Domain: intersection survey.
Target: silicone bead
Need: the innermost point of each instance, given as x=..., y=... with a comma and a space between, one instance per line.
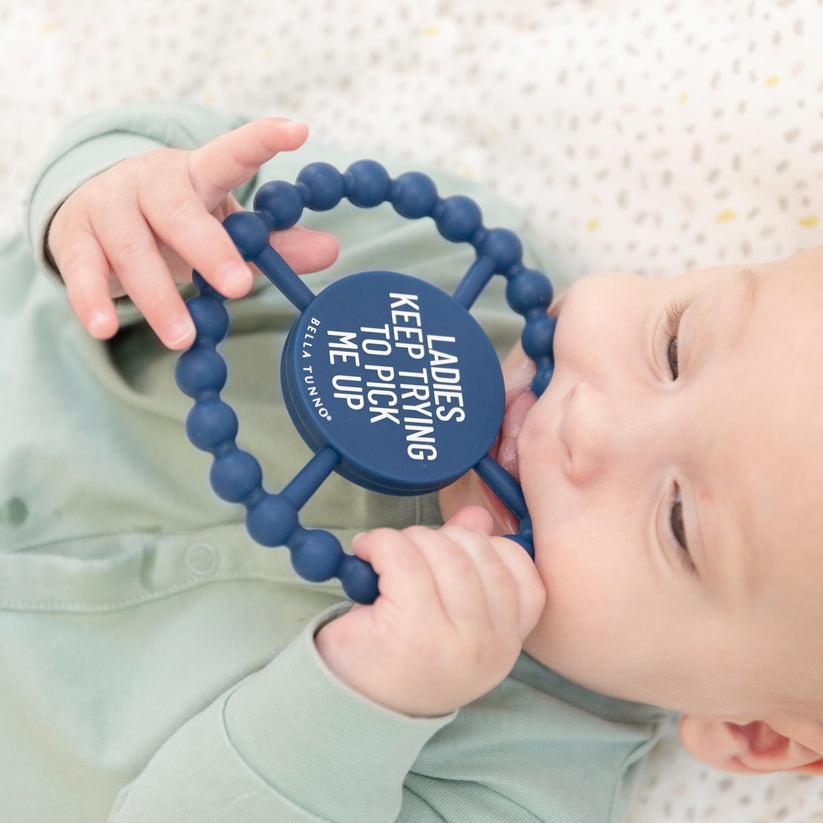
x=322, y=186
x=210, y=423
x=358, y=579
x=200, y=369
x=542, y=377
x=235, y=475
x=458, y=218
x=271, y=520
x=279, y=203
x=527, y=290
x=538, y=335
x=210, y=317
x=316, y=555
x=249, y=233
x=367, y=183
x=503, y=247
x=414, y=195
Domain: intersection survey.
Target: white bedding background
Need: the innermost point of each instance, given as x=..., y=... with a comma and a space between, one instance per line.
x=652, y=136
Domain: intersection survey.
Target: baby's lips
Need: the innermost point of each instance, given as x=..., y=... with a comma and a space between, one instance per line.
x=511, y=396
x=518, y=404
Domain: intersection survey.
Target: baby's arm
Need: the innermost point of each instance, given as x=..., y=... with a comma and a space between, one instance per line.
x=455, y=606
x=293, y=744
x=141, y=226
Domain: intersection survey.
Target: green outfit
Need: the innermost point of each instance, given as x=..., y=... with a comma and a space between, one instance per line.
x=159, y=666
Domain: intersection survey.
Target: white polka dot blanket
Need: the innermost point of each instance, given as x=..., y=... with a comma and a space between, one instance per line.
x=652, y=137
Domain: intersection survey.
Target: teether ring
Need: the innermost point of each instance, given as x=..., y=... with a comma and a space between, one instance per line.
x=389, y=380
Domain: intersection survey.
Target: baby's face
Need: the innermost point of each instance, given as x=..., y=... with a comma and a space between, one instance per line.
x=673, y=470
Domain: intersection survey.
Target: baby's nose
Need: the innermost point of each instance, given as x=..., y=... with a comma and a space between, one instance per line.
x=598, y=431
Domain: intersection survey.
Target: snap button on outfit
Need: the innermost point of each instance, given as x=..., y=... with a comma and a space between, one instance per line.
x=201, y=558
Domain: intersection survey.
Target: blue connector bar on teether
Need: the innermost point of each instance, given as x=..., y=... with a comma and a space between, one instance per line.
x=390, y=380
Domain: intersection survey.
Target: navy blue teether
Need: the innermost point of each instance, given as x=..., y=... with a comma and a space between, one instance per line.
x=390, y=380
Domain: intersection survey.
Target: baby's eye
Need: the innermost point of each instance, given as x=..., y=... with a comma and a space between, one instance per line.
x=672, y=355
x=676, y=518
x=679, y=531
x=673, y=315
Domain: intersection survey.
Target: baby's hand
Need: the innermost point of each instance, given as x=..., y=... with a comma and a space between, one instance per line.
x=141, y=226
x=454, y=608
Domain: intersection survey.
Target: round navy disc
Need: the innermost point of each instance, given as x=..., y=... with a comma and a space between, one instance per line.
x=396, y=377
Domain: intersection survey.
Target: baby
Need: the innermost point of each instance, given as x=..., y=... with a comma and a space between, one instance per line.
x=671, y=470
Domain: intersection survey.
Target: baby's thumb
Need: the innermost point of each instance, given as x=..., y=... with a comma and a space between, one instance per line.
x=475, y=518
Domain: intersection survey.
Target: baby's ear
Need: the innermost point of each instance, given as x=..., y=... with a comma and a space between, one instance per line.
x=755, y=748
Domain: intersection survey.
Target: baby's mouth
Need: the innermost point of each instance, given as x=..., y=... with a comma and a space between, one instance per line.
x=504, y=450
x=519, y=402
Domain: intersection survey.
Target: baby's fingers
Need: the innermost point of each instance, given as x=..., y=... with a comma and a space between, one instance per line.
x=132, y=252
x=530, y=591
x=513, y=590
x=85, y=272
x=233, y=158
x=404, y=573
x=304, y=249
x=179, y=219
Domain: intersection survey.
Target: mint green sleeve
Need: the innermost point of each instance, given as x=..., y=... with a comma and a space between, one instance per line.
x=291, y=744
x=104, y=138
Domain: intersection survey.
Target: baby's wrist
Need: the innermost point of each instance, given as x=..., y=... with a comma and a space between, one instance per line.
x=368, y=674
x=341, y=664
